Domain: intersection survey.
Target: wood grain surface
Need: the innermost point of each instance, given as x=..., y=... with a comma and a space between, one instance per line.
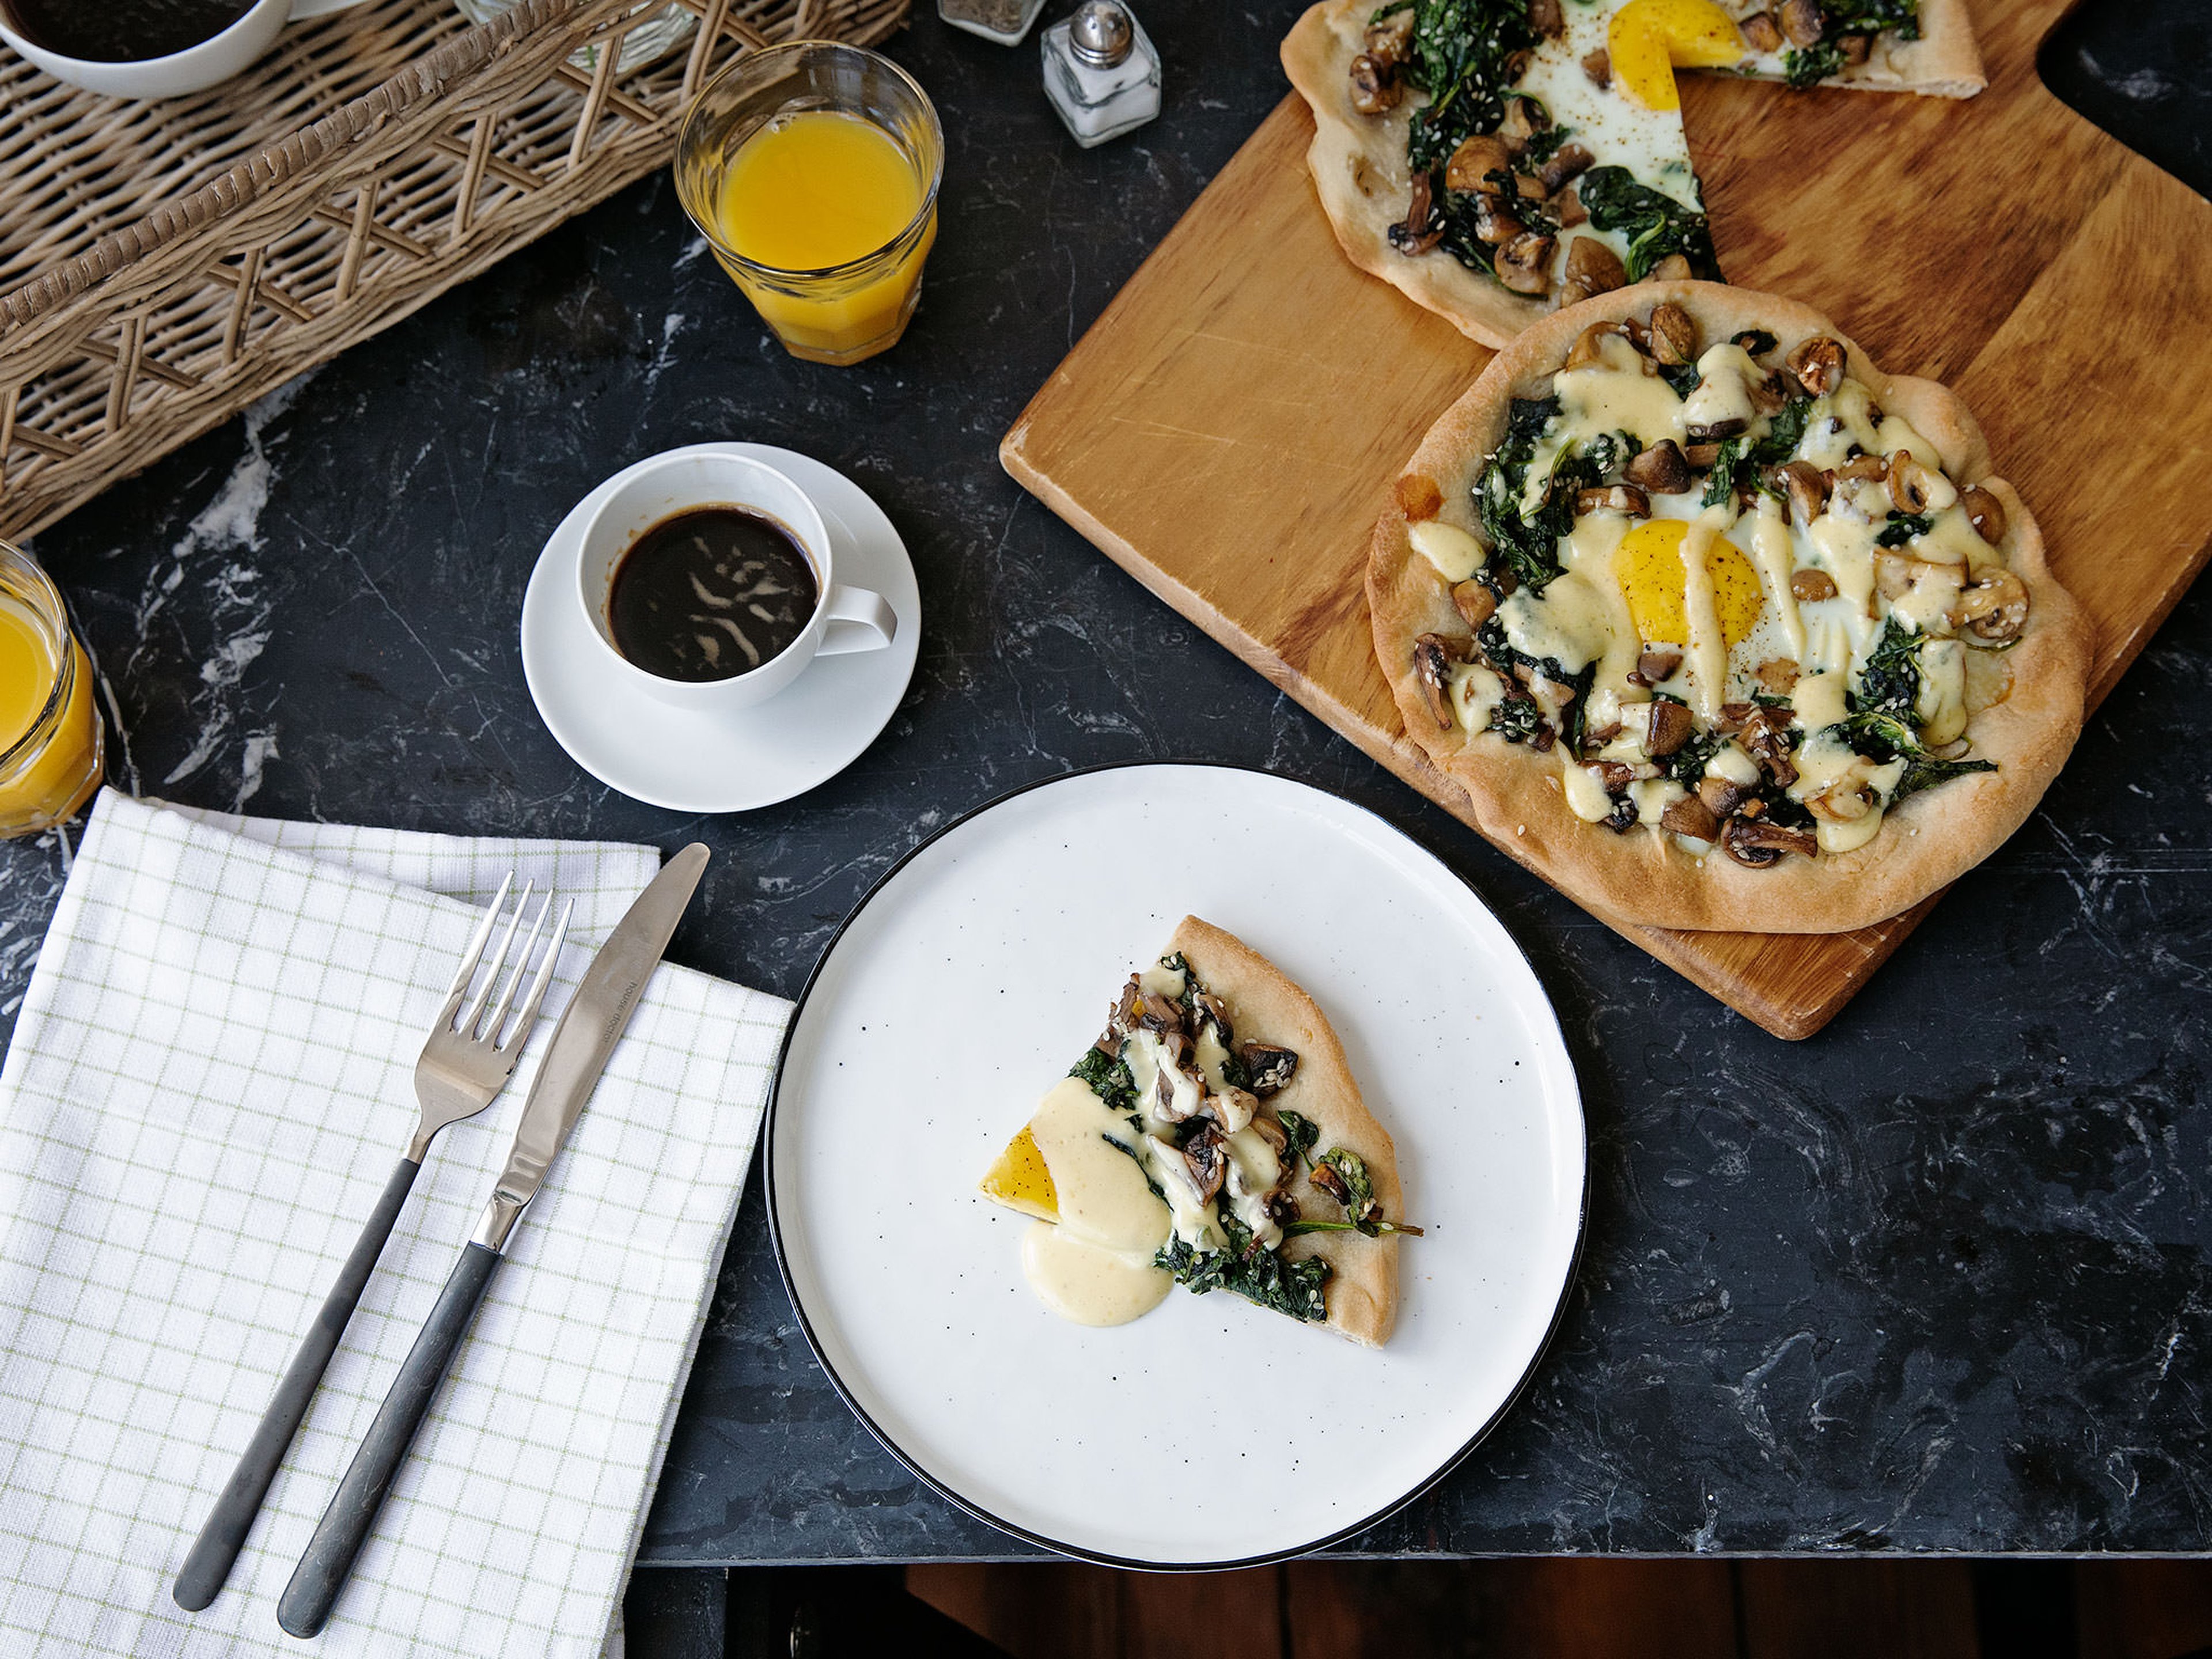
x=1227, y=431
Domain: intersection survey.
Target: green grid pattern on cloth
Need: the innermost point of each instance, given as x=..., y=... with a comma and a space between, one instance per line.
x=211, y=1080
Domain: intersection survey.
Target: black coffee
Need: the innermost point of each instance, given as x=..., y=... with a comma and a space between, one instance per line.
x=121, y=31
x=710, y=594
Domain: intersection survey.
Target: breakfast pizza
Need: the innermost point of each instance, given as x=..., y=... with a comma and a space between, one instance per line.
x=1211, y=1137
x=1495, y=159
x=1718, y=626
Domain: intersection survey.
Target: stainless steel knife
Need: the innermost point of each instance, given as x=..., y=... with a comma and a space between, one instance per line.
x=589, y=1029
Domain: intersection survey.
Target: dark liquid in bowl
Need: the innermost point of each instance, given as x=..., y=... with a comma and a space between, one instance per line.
x=121, y=31
x=710, y=594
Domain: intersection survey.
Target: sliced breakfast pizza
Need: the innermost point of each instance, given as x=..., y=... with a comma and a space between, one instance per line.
x=1494, y=159
x=1211, y=1137
x=1718, y=626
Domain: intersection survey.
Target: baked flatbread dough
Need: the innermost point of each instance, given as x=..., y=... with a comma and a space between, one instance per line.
x=1924, y=843
x=1360, y=174
x=1362, y=1297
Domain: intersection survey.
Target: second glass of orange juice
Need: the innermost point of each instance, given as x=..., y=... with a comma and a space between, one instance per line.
x=49, y=735
x=812, y=171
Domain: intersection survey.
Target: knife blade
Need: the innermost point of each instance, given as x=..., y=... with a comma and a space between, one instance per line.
x=590, y=1026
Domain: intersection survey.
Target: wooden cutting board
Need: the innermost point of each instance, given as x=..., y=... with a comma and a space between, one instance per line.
x=1228, y=430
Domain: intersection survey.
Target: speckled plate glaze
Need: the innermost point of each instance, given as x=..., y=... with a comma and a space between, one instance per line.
x=1208, y=1433
x=691, y=763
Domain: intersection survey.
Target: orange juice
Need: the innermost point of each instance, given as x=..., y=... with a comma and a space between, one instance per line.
x=50, y=736
x=829, y=198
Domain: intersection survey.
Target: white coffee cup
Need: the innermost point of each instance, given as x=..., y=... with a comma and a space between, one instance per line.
x=844, y=620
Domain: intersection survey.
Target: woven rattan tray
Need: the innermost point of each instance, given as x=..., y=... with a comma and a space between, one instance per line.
x=163, y=265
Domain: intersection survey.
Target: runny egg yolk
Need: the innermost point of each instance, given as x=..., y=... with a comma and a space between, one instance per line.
x=1648, y=38
x=1648, y=565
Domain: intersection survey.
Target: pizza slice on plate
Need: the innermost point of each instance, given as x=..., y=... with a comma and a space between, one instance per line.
x=1211, y=1137
x=1494, y=159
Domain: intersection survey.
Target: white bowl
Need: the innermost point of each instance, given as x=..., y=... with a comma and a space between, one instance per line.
x=195, y=69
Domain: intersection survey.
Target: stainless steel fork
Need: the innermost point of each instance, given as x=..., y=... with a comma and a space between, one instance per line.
x=471, y=1054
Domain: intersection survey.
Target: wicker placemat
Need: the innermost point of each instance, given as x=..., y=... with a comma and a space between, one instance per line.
x=164, y=263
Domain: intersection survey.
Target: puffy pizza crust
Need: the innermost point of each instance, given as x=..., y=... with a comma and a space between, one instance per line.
x=1359, y=171
x=1924, y=843
x=1266, y=1006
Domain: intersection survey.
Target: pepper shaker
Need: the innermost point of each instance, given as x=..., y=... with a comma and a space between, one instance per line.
x=1101, y=71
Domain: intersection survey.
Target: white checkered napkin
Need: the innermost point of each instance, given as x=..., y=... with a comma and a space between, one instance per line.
x=210, y=1081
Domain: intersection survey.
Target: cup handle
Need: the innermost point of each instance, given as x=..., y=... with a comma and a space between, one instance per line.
x=857, y=620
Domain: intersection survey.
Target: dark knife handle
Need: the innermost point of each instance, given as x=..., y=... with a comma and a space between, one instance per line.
x=221, y=1539
x=346, y=1524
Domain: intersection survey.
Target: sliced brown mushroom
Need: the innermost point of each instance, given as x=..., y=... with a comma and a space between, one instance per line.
x=1995, y=609
x=1911, y=484
x=1389, y=40
x=1778, y=675
x=1760, y=32
x=1806, y=486
x=1494, y=223
x=1759, y=843
x=1156, y=1014
x=1672, y=725
x=1414, y=235
x=1690, y=817
x=1475, y=602
x=1721, y=795
x=1568, y=161
x=1374, y=88
x=1614, y=498
x=1586, y=347
x=1524, y=264
x=1674, y=335
x=1524, y=119
x=1818, y=363
x=1325, y=1176
x=1701, y=456
x=1674, y=268
x=1658, y=664
x=1862, y=468
x=1715, y=432
x=1598, y=65
x=1120, y=1019
x=1855, y=48
x=1474, y=160
x=1433, y=657
x=1202, y=1155
x=1985, y=512
x=1812, y=585
x=1763, y=732
x=1547, y=19
x=1268, y=1067
x=1616, y=775
x=1802, y=23
x=1660, y=470
x=1567, y=209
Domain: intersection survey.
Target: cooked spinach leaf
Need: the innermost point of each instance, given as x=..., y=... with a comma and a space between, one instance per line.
x=1902, y=528
x=1884, y=738
x=1656, y=224
x=1742, y=461
x=1108, y=1078
x=1351, y=1170
x=1371, y=1229
x=1300, y=1131
x=1683, y=377
x=1687, y=764
x=1462, y=58
x=1889, y=679
x=1808, y=66
x=1756, y=342
x=1252, y=1270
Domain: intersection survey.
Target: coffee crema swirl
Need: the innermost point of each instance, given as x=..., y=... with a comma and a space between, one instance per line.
x=710, y=594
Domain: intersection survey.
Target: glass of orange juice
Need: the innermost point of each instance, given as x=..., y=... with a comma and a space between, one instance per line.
x=53, y=757
x=811, y=169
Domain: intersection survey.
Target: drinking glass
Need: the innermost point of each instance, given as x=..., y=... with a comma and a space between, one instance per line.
x=50, y=767
x=844, y=313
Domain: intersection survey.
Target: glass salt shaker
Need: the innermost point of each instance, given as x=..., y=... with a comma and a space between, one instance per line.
x=1004, y=21
x=1101, y=71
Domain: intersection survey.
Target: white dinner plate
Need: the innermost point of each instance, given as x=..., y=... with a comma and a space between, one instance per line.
x=690, y=762
x=1208, y=1433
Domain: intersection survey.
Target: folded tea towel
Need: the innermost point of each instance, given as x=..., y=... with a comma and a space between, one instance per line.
x=210, y=1080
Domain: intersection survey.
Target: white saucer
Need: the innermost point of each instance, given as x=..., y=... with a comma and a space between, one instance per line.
x=691, y=763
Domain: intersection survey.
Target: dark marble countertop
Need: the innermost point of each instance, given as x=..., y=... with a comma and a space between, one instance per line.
x=1935, y=1280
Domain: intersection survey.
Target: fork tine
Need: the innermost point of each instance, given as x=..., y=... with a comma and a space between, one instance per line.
x=468, y=1025
x=528, y=1017
x=515, y=973
x=476, y=947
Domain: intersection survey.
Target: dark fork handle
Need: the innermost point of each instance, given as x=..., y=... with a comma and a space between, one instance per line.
x=228, y=1523
x=345, y=1525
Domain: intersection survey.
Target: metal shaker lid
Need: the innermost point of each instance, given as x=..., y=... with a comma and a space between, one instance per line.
x=1101, y=33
